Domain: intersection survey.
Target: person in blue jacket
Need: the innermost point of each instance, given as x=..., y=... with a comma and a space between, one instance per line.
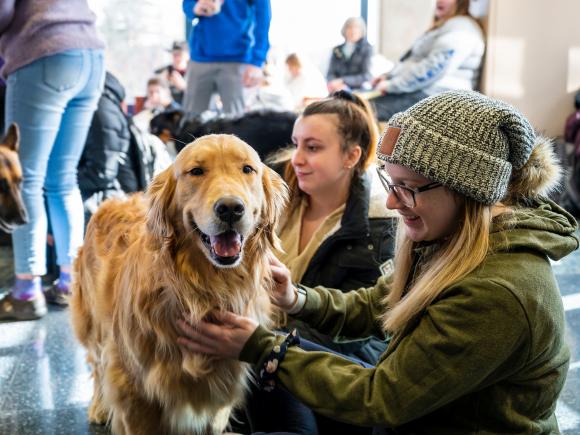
x=228, y=47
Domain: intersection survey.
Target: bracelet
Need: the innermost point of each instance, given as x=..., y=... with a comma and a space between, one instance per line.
x=293, y=304
x=266, y=376
x=299, y=301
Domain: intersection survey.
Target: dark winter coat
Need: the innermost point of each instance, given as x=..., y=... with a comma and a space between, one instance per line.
x=105, y=168
x=356, y=69
x=350, y=259
x=118, y=158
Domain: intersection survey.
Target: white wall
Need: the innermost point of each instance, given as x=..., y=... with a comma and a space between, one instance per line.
x=401, y=22
x=533, y=58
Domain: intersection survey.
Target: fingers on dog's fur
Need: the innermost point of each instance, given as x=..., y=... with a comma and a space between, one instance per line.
x=161, y=214
x=276, y=196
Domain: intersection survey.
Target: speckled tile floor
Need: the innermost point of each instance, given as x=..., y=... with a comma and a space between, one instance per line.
x=45, y=385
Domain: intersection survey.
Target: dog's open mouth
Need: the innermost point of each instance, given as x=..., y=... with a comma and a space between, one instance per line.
x=225, y=248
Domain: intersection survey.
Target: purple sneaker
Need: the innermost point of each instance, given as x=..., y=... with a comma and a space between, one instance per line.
x=57, y=294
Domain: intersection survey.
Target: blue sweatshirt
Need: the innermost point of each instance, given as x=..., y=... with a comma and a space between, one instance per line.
x=239, y=33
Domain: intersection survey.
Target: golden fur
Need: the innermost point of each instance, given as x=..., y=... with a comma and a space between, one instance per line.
x=144, y=265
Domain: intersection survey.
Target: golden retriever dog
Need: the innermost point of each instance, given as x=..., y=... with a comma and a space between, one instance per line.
x=199, y=239
x=12, y=209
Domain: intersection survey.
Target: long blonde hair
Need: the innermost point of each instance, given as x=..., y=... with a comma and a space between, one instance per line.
x=412, y=294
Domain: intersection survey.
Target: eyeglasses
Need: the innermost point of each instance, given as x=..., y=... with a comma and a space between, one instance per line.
x=406, y=195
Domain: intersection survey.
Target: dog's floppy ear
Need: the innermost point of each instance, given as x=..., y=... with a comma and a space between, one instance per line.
x=160, y=216
x=275, y=198
x=12, y=138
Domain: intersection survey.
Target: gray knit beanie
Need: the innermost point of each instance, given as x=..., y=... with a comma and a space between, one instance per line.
x=462, y=139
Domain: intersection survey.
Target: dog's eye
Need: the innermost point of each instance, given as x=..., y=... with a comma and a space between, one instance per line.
x=196, y=171
x=248, y=169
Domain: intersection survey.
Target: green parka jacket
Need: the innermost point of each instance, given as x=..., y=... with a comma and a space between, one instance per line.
x=487, y=356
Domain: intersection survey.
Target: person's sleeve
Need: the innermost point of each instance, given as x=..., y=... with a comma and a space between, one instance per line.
x=350, y=315
x=461, y=343
x=7, y=9
x=355, y=81
x=451, y=48
x=261, y=29
x=188, y=8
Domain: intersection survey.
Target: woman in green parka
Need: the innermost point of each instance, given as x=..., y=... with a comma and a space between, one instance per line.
x=474, y=308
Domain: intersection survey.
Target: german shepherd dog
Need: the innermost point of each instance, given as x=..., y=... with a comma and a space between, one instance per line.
x=12, y=210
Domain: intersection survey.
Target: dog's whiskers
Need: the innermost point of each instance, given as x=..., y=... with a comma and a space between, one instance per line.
x=177, y=140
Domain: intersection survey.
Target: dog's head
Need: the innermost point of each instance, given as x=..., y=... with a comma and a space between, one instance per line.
x=219, y=195
x=165, y=125
x=12, y=210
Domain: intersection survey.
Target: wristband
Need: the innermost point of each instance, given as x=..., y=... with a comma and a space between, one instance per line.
x=299, y=300
x=268, y=371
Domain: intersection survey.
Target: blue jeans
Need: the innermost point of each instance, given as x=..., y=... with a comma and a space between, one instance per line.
x=389, y=104
x=52, y=100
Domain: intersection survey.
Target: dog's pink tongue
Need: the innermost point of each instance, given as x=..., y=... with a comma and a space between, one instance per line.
x=227, y=244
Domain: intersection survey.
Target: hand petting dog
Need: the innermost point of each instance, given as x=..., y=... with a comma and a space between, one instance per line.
x=224, y=334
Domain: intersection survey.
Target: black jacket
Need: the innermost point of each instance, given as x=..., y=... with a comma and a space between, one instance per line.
x=105, y=169
x=355, y=70
x=349, y=259
x=118, y=158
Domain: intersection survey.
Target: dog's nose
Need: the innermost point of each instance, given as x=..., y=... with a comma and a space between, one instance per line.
x=229, y=209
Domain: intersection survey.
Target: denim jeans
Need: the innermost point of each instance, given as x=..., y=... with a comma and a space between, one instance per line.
x=52, y=100
x=389, y=104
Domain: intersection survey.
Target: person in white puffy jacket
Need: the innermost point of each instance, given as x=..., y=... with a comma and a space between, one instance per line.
x=447, y=57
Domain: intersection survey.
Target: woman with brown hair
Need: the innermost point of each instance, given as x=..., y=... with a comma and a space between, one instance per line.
x=337, y=232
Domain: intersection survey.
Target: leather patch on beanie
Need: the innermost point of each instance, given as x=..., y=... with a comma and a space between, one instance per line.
x=389, y=140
